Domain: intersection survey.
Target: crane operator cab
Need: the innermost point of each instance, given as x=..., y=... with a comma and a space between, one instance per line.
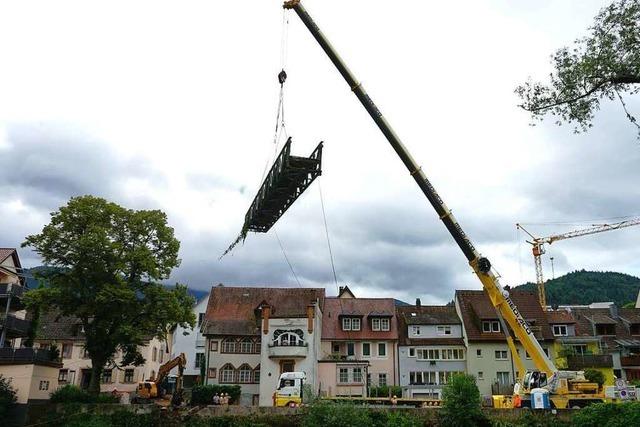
x=534, y=379
x=290, y=389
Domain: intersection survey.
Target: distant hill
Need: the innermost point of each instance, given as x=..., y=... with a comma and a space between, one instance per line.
x=585, y=287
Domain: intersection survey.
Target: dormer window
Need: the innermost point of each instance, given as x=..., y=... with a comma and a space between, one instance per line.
x=560, y=330
x=415, y=330
x=634, y=329
x=443, y=330
x=489, y=326
x=380, y=324
x=350, y=323
x=605, y=329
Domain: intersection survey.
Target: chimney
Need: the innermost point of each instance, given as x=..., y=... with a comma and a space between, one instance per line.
x=340, y=289
x=417, y=302
x=266, y=312
x=310, y=313
x=613, y=309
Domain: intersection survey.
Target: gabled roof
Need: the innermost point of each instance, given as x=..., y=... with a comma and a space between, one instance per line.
x=556, y=317
x=53, y=326
x=235, y=310
x=345, y=292
x=630, y=315
x=475, y=307
x=7, y=252
x=335, y=308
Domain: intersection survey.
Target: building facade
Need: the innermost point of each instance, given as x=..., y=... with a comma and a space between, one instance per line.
x=255, y=334
x=359, y=345
x=430, y=349
x=192, y=343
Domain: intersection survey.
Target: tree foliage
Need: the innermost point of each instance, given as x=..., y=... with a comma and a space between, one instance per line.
x=603, y=65
x=8, y=397
x=108, y=263
x=461, y=403
x=594, y=376
x=585, y=287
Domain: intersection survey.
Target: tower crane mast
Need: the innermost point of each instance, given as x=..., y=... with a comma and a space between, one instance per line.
x=538, y=247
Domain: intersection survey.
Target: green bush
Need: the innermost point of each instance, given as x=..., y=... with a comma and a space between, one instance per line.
x=325, y=414
x=594, y=376
x=608, y=415
x=203, y=394
x=74, y=394
x=461, y=403
x=7, y=396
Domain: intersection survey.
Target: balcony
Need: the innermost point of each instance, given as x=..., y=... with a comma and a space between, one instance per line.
x=15, y=327
x=580, y=362
x=630, y=360
x=288, y=351
x=20, y=356
x=16, y=292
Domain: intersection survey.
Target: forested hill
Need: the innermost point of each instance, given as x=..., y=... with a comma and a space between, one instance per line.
x=585, y=287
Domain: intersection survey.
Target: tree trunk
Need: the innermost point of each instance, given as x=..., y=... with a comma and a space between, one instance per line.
x=96, y=374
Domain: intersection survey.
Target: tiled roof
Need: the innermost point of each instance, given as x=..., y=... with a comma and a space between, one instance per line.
x=6, y=253
x=426, y=315
x=234, y=310
x=630, y=315
x=429, y=315
x=560, y=317
x=588, y=318
x=52, y=326
x=336, y=307
x=475, y=306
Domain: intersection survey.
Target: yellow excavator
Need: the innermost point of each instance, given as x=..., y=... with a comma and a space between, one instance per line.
x=160, y=387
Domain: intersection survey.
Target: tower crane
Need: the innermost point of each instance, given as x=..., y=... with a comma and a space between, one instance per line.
x=538, y=248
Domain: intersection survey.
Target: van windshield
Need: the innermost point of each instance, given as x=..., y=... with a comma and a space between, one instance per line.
x=286, y=383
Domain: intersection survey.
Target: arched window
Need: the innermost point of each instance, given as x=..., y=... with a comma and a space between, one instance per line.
x=256, y=374
x=246, y=345
x=229, y=345
x=289, y=339
x=256, y=348
x=227, y=373
x=244, y=373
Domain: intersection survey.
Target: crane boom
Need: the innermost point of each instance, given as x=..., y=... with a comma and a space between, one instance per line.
x=481, y=265
x=538, y=249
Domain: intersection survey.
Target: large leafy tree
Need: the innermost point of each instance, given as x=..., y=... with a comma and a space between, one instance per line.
x=603, y=65
x=108, y=263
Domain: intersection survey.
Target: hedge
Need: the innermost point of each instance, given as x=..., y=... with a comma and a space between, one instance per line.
x=74, y=394
x=203, y=394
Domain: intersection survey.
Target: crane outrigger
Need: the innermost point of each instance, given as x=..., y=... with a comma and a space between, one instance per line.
x=566, y=388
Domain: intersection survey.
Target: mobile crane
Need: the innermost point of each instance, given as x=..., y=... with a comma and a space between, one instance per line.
x=566, y=388
x=537, y=247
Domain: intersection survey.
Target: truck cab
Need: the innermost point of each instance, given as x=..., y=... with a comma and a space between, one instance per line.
x=290, y=389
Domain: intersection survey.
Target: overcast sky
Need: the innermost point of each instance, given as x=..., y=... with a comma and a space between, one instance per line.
x=171, y=105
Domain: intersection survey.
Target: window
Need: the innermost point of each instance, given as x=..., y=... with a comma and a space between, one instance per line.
x=430, y=377
x=213, y=346
x=382, y=378
x=382, y=349
x=416, y=330
x=355, y=324
x=375, y=324
x=412, y=352
x=244, y=374
x=443, y=330
x=428, y=354
x=503, y=377
x=490, y=326
x=480, y=375
x=605, y=329
x=366, y=349
x=385, y=324
x=256, y=374
x=501, y=354
x=85, y=354
x=357, y=375
x=44, y=385
x=350, y=324
x=107, y=376
x=257, y=347
x=560, y=330
x=343, y=376
x=67, y=350
x=63, y=375
x=229, y=345
x=154, y=354
x=452, y=354
x=212, y=372
x=351, y=349
x=128, y=375
x=479, y=352
x=200, y=318
x=336, y=348
x=199, y=360
x=288, y=339
x=246, y=345
x=580, y=349
x=161, y=355
x=227, y=373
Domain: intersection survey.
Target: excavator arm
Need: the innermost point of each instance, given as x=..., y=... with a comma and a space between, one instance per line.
x=163, y=371
x=480, y=265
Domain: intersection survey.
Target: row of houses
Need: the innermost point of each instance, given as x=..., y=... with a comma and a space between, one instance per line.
x=250, y=335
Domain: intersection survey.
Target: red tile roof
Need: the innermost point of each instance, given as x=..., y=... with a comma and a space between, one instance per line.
x=560, y=317
x=7, y=252
x=365, y=307
x=475, y=306
x=234, y=310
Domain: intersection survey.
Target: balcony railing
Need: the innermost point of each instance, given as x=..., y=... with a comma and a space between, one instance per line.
x=579, y=362
x=14, y=326
x=630, y=360
x=291, y=350
x=26, y=355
